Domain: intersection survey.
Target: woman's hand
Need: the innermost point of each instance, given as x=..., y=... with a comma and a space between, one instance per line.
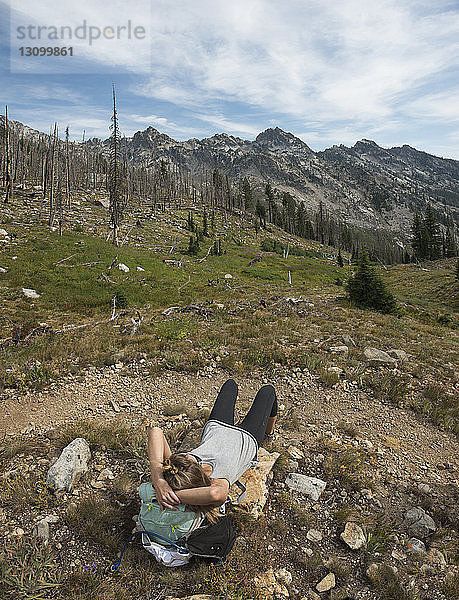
x=165, y=495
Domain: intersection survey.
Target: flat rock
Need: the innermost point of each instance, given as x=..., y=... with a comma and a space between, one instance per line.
x=29, y=293
x=313, y=535
x=41, y=530
x=327, y=583
x=70, y=465
x=419, y=523
x=399, y=355
x=256, y=483
x=336, y=370
x=310, y=486
x=353, y=536
x=377, y=357
x=339, y=350
x=415, y=545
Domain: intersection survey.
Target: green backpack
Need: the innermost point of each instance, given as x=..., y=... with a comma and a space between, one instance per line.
x=170, y=524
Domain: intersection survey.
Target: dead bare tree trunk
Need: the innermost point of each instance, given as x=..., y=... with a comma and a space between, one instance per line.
x=116, y=189
x=8, y=182
x=52, y=208
x=67, y=168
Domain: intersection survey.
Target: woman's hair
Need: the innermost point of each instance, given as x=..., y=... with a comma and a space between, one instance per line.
x=182, y=472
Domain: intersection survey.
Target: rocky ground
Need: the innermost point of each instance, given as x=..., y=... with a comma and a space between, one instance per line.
x=378, y=462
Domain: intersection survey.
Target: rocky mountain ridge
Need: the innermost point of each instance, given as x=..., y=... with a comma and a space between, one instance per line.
x=364, y=185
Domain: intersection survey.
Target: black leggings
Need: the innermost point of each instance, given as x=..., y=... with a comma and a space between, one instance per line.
x=263, y=407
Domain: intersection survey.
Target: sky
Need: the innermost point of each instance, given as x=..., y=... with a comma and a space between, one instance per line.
x=330, y=72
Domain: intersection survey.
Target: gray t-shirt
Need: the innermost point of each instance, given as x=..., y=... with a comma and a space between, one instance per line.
x=229, y=450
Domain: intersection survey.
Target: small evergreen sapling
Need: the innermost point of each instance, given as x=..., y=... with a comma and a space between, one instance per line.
x=367, y=289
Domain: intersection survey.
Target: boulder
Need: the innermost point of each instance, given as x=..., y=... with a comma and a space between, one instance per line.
x=123, y=267
x=256, y=483
x=2, y=270
x=268, y=585
x=310, y=486
x=353, y=536
x=29, y=293
x=70, y=465
x=419, y=523
x=399, y=355
x=327, y=583
x=378, y=358
x=3, y=233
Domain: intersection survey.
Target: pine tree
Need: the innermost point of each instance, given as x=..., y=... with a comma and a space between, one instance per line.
x=432, y=234
x=193, y=246
x=271, y=202
x=450, y=249
x=367, y=289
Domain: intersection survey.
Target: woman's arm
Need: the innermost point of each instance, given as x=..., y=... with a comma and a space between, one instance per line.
x=214, y=494
x=158, y=450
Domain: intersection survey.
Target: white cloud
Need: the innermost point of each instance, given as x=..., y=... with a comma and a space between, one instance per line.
x=443, y=106
x=115, y=43
x=229, y=126
x=307, y=59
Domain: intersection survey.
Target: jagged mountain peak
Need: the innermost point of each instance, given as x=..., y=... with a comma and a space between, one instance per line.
x=275, y=137
x=224, y=138
x=151, y=135
x=367, y=145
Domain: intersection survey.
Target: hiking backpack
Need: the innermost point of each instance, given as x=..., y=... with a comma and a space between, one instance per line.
x=166, y=533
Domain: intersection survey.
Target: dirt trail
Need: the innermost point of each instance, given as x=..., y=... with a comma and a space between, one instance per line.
x=413, y=449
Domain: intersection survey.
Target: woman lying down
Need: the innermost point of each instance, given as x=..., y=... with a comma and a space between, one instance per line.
x=201, y=479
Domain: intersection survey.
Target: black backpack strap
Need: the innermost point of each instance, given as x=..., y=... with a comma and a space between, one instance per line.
x=243, y=493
